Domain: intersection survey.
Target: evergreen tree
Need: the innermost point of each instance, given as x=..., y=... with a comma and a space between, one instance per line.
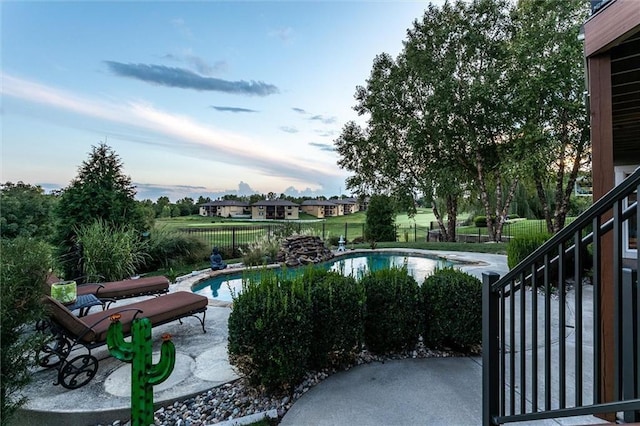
x=99, y=191
x=380, y=223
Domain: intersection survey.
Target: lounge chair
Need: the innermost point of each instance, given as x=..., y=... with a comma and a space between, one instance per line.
x=71, y=332
x=109, y=292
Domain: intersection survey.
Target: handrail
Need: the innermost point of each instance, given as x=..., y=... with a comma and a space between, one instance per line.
x=598, y=208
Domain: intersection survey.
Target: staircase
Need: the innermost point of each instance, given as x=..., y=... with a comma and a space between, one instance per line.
x=543, y=334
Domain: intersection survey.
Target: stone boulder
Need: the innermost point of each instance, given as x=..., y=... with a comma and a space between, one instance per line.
x=300, y=250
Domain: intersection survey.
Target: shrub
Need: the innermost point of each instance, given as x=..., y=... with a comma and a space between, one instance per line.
x=392, y=318
x=522, y=246
x=333, y=240
x=480, y=221
x=270, y=331
x=109, y=252
x=338, y=317
x=380, y=221
x=452, y=308
x=262, y=251
x=23, y=273
x=167, y=248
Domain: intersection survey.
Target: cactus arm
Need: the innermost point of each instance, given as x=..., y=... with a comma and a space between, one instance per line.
x=162, y=370
x=118, y=347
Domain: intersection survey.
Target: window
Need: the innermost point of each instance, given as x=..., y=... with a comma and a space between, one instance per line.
x=288, y=213
x=630, y=230
x=288, y=207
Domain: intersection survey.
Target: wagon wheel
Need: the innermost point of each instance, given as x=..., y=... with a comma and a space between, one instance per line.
x=78, y=372
x=43, y=325
x=53, y=352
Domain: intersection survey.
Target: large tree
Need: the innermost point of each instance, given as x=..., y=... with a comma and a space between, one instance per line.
x=100, y=191
x=549, y=99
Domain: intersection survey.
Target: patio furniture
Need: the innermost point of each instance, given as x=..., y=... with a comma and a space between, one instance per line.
x=72, y=335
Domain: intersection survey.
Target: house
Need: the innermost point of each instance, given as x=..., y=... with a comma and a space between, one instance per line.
x=349, y=205
x=612, y=57
x=225, y=208
x=274, y=209
x=318, y=208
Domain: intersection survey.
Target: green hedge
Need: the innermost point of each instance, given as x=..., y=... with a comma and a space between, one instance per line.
x=338, y=318
x=270, y=331
x=393, y=315
x=452, y=309
x=522, y=246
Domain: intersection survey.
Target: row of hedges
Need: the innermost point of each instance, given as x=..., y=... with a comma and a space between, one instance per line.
x=281, y=328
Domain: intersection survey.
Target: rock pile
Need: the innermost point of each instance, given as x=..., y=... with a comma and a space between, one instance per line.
x=302, y=250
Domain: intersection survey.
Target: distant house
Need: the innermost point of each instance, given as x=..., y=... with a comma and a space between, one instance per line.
x=321, y=208
x=275, y=209
x=225, y=208
x=349, y=205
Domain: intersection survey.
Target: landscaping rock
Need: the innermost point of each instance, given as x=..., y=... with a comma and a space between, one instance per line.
x=300, y=250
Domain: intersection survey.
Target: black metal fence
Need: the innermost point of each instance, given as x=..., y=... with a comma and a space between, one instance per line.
x=543, y=325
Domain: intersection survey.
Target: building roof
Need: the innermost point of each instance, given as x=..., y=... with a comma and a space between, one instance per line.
x=223, y=203
x=275, y=203
x=350, y=201
x=318, y=203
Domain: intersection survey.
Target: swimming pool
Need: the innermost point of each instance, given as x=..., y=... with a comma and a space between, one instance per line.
x=418, y=266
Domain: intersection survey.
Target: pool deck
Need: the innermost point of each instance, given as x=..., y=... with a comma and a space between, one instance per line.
x=202, y=364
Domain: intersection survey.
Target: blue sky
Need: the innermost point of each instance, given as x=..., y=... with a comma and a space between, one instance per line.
x=197, y=98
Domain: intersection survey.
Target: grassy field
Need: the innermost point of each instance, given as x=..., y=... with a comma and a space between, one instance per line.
x=513, y=229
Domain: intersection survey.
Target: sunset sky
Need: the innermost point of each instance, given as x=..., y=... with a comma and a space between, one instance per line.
x=197, y=98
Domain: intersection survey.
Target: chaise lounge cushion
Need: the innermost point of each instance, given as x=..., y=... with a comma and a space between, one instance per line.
x=159, y=310
x=126, y=288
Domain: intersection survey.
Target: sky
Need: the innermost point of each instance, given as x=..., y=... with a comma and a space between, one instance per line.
x=197, y=98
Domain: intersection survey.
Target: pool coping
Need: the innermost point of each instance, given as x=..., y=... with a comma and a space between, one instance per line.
x=186, y=283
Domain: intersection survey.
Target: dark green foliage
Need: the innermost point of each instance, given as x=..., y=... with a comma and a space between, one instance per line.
x=338, y=317
x=270, y=331
x=480, y=221
x=392, y=318
x=26, y=211
x=23, y=272
x=380, y=223
x=166, y=248
x=99, y=191
x=522, y=246
x=453, y=309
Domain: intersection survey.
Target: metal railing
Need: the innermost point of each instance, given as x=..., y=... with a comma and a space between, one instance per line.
x=542, y=322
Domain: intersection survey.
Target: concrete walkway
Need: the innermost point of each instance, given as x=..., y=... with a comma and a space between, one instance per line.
x=435, y=391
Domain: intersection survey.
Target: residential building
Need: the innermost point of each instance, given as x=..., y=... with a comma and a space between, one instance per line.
x=275, y=209
x=318, y=208
x=349, y=205
x=225, y=208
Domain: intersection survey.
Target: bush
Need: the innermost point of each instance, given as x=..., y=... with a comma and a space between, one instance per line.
x=261, y=252
x=452, y=309
x=392, y=319
x=109, y=252
x=270, y=331
x=380, y=221
x=23, y=273
x=522, y=246
x=480, y=221
x=338, y=317
x=168, y=248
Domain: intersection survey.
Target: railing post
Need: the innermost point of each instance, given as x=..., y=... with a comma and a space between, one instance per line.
x=233, y=240
x=629, y=342
x=490, y=349
x=323, y=236
x=345, y=231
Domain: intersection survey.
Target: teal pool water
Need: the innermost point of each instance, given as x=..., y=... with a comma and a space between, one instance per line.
x=355, y=265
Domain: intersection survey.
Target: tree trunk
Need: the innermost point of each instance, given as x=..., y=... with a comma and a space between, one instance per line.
x=436, y=213
x=452, y=217
x=484, y=195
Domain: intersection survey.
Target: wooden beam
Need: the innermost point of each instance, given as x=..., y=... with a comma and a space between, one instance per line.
x=608, y=27
x=603, y=180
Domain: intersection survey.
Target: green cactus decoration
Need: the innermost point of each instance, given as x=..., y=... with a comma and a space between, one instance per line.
x=144, y=374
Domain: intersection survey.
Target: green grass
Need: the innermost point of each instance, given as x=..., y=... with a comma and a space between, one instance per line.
x=514, y=229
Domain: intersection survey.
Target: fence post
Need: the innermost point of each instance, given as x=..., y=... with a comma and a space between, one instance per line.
x=490, y=349
x=323, y=236
x=233, y=240
x=415, y=234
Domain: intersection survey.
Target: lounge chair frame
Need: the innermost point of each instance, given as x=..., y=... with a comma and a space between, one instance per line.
x=79, y=370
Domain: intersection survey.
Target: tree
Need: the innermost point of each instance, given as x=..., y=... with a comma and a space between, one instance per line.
x=26, y=211
x=187, y=206
x=161, y=203
x=99, y=191
x=550, y=99
x=380, y=222
x=23, y=273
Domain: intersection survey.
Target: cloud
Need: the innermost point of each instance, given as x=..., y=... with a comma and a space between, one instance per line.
x=245, y=189
x=182, y=27
x=185, y=79
x=288, y=129
x=199, y=64
x=232, y=109
x=300, y=110
x=284, y=34
x=322, y=118
x=325, y=133
x=183, y=134
x=323, y=146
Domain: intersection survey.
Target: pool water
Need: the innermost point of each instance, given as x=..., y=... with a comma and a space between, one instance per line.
x=418, y=266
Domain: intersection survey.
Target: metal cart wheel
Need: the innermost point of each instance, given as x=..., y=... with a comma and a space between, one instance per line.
x=78, y=371
x=53, y=352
